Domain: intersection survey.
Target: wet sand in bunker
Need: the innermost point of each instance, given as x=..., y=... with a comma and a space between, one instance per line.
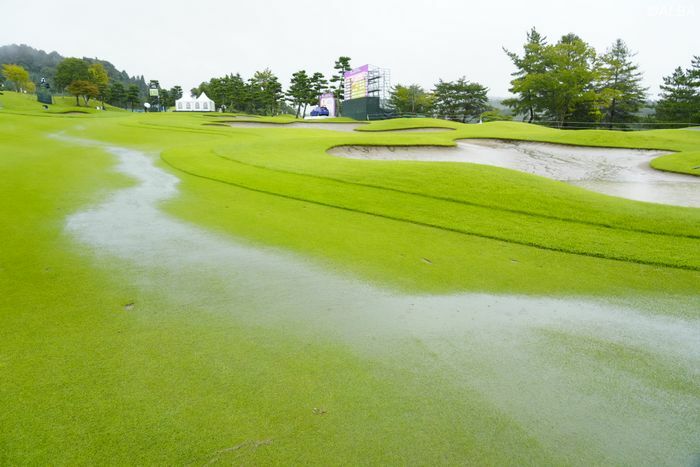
x=506, y=348
x=625, y=173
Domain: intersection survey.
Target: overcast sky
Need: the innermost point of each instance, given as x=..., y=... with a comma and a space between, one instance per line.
x=179, y=42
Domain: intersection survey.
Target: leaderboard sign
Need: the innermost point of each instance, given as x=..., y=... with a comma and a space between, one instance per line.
x=355, y=85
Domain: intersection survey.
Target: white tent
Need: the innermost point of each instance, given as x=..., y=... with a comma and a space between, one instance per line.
x=195, y=104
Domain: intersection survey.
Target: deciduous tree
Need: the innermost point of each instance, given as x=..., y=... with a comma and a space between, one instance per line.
x=84, y=88
x=569, y=83
x=411, y=99
x=17, y=75
x=99, y=77
x=70, y=70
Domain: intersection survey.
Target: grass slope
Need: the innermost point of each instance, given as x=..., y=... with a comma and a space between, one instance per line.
x=12, y=102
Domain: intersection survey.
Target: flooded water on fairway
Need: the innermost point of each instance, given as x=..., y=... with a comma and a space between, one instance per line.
x=551, y=364
x=625, y=173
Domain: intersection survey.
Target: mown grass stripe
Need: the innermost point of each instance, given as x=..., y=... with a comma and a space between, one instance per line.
x=435, y=226
x=456, y=200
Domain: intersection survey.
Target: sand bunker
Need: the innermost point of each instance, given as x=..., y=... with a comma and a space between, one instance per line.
x=618, y=172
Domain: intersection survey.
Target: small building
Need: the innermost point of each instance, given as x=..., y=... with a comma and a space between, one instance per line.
x=202, y=103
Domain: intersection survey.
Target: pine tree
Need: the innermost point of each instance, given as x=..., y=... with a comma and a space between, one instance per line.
x=530, y=68
x=116, y=94
x=338, y=79
x=298, y=92
x=133, y=95
x=317, y=86
x=679, y=98
x=460, y=100
x=620, y=88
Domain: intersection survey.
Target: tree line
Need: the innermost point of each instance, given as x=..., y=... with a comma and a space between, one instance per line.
x=565, y=83
x=263, y=94
x=39, y=64
x=569, y=82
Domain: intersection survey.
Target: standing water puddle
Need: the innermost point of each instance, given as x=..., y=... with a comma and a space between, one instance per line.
x=500, y=346
x=618, y=172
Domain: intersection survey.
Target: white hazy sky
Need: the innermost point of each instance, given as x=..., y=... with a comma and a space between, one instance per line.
x=182, y=42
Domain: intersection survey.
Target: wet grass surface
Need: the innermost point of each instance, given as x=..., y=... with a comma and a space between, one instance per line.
x=222, y=324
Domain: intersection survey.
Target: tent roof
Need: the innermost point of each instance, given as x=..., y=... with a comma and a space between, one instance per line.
x=202, y=98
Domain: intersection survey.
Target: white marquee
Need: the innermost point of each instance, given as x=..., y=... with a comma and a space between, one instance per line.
x=195, y=104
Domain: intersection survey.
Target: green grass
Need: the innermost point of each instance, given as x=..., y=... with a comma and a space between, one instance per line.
x=12, y=102
x=685, y=162
x=450, y=199
x=279, y=119
x=189, y=380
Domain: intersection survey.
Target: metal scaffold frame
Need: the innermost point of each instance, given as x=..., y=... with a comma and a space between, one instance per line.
x=379, y=84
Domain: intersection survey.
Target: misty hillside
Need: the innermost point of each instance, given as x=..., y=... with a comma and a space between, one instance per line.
x=40, y=64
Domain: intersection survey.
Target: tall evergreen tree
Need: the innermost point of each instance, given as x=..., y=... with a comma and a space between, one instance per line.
x=460, y=100
x=266, y=91
x=299, y=90
x=175, y=93
x=679, y=98
x=116, y=94
x=133, y=95
x=318, y=84
x=526, y=83
x=621, y=91
x=338, y=79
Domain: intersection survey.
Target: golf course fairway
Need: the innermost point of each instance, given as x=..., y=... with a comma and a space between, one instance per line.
x=177, y=290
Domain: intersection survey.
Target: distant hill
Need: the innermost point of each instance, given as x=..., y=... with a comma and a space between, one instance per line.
x=40, y=64
x=496, y=103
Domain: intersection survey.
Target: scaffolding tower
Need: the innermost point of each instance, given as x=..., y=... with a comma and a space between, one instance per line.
x=367, y=93
x=379, y=84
